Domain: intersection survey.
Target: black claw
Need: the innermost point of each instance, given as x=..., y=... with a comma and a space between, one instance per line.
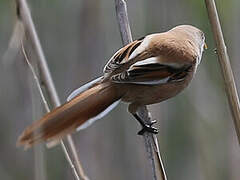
x=141, y=132
x=146, y=127
x=149, y=129
x=153, y=122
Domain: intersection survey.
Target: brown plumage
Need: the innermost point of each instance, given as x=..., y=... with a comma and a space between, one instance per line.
x=72, y=114
x=146, y=71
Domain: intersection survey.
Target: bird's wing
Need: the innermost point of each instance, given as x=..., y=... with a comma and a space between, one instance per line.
x=151, y=72
x=121, y=56
x=156, y=58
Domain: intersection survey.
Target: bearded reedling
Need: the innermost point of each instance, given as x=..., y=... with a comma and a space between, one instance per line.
x=146, y=71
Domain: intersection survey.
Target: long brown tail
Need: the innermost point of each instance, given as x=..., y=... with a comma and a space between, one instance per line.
x=66, y=118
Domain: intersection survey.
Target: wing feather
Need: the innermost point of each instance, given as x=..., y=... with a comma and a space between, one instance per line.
x=153, y=59
x=121, y=56
x=151, y=74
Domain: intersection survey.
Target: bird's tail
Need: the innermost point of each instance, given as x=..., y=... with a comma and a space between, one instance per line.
x=90, y=104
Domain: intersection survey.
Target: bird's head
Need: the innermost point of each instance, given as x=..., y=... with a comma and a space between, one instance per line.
x=195, y=36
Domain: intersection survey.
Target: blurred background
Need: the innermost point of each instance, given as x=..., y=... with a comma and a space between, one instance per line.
x=197, y=138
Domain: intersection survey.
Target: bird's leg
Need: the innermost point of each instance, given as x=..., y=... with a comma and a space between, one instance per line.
x=145, y=126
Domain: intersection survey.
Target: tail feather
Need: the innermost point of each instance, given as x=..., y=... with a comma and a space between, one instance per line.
x=66, y=118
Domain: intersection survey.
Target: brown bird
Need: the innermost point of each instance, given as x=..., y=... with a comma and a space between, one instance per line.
x=146, y=71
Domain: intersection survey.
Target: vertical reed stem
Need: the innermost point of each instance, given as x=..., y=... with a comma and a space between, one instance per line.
x=150, y=140
x=224, y=61
x=24, y=16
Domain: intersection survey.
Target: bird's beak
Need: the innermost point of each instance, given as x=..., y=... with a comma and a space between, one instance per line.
x=205, y=46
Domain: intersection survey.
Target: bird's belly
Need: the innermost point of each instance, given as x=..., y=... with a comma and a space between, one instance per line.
x=145, y=94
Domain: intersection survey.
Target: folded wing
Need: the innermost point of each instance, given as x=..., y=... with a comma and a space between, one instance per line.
x=121, y=56
x=151, y=72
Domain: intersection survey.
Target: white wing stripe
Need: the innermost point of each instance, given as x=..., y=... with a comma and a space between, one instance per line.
x=153, y=82
x=142, y=47
x=152, y=60
x=82, y=88
x=99, y=116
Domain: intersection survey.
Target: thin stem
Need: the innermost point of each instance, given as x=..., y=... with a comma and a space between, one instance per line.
x=39, y=150
x=122, y=17
x=35, y=78
x=150, y=140
x=24, y=16
x=224, y=61
x=152, y=148
x=47, y=107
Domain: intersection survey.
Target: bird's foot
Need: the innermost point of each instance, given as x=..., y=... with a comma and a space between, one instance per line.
x=148, y=128
x=153, y=122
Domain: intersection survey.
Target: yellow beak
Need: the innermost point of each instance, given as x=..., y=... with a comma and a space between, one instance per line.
x=205, y=46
